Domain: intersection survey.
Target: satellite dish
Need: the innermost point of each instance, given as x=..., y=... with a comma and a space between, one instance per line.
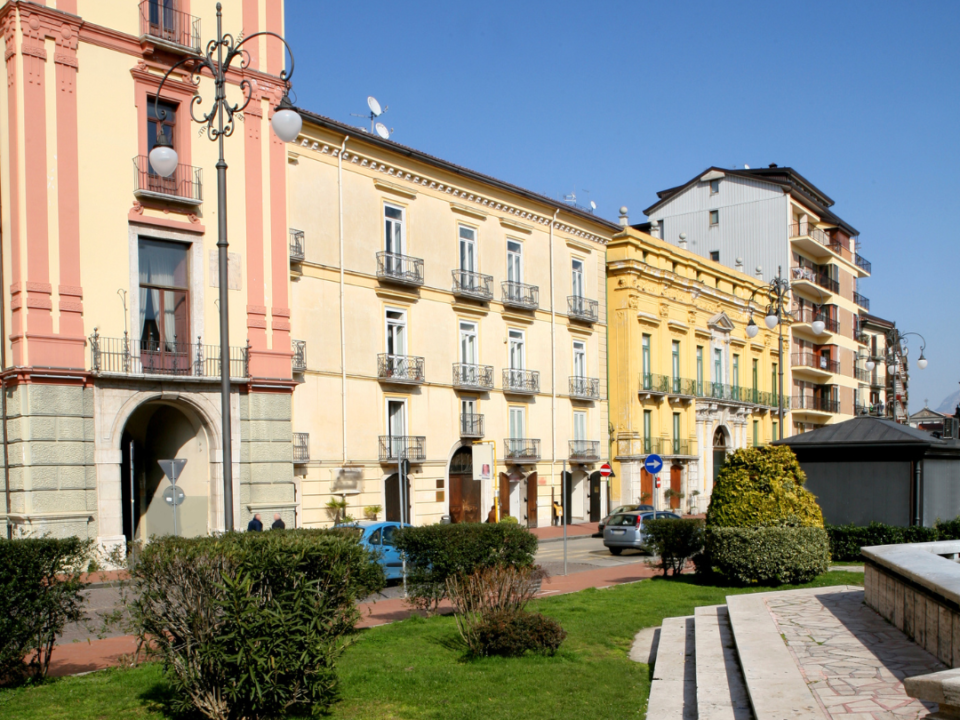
x=593, y=205
x=746, y=167
x=382, y=131
x=374, y=106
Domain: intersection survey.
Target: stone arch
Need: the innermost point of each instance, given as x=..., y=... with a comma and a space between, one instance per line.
x=203, y=409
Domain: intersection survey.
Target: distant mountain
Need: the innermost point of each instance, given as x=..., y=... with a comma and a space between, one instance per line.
x=949, y=403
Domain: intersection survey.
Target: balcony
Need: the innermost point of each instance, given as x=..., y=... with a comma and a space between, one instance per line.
x=405, y=369
x=472, y=377
x=301, y=448
x=584, y=388
x=863, y=338
x=184, y=186
x=581, y=308
x=862, y=301
x=678, y=447
x=814, y=277
x=522, y=449
x=811, y=361
x=653, y=384
x=807, y=316
x=518, y=295
x=875, y=410
x=403, y=447
x=400, y=269
x=175, y=30
x=810, y=238
x=297, y=254
x=472, y=285
x=521, y=382
x=683, y=387
x=632, y=447
x=815, y=404
x=863, y=375
x=584, y=451
x=299, y=355
x=122, y=356
x=471, y=425
x=863, y=263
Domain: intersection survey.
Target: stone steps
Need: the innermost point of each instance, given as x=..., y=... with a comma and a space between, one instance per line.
x=673, y=689
x=721, y=691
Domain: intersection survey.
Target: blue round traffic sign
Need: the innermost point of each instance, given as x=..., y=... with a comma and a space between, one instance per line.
x=653, y=464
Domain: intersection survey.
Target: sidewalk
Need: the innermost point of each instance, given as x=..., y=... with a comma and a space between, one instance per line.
x=552, y=533
x=82, y=657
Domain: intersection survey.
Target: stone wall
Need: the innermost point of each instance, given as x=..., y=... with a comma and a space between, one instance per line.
x=53, y=479
x=267, y=483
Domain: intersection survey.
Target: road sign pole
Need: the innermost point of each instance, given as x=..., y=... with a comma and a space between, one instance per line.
x=563, y=504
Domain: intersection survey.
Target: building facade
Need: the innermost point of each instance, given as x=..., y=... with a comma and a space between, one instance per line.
x=447, y=319
x=686, y=381
x=110, y=347
x=772, y=221
x=881, y=393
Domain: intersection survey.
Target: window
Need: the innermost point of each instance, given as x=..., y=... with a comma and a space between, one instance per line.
x=714, y=217
x=516, y=423
x=468, y=406
x=577, y=269
x=396, y=426
x=675, y=364
x=396, y=332
x=393, y=232
x=468, y=250
x=699, y=370
x=714, y=187
x=736, y=371
x=516, y=349
x=514, y=261
x=715, y=255
x=163, y=19
x=756, y=375
x=717, y=365
x=164, y=295
x=676, y=433
x=579, y=359
x=647, y=422
x=775, y=435
x=645, y=349
x=773, y=380
x=468, y=343
x=161, y=114
x=756, y=433
x=580, y=425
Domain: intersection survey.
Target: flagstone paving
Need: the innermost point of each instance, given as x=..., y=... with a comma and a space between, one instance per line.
x=853, y=661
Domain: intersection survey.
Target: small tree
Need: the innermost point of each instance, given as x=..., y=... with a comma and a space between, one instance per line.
x=674, y=542
x=337, y=509
x=371, y=511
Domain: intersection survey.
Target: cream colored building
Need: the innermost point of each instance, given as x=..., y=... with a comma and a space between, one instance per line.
x=441, y=311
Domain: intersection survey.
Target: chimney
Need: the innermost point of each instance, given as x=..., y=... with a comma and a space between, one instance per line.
x=759, y=273
x=624, y=218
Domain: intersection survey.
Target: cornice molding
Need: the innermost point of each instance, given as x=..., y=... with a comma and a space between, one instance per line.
x=583, y=247
x=464, y=210
x=395, y=189
x=513, y=225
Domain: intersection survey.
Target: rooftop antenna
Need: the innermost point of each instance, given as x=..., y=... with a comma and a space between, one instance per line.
x=375, y=111
x=571, y=198
x=593, y=206
x=383, y=131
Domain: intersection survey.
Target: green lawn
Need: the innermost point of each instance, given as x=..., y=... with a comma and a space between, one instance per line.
x=411, y=670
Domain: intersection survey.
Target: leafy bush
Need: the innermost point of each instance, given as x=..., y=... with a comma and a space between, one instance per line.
x=674, y=542
x=40, y=590
x=762, y=487
x=846, y=540
x=510, y=633
x=250, y=625
x=438, y=552
x=766, y=555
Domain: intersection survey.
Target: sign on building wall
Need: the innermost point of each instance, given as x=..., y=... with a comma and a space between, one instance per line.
x=482, y=462
x=347, y=480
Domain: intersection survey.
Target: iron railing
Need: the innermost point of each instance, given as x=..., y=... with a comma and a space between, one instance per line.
x=472, y=284
x=185, y=184
x=301, y=447
x=401, y=269
x=584, y=450
x=518, y=295
x=656, y=384
x=523, y=449
x=581, y=308
x=400, y=368
x=403, y=447
x=818, y=404
x=679, y=446
x=521, y=381
x=123, y=356
x=815, y=276
x=475, y=377
x=683, y=386
x=863, y=263
x=637, y=447
x=874, y=410
x=807, y=315
x=168, y=24
x=299, y=355
x=863, y=375
x=808, y=230
x=471, y=425
x=297, y=251
x=584, y=387
x=863, y=338
x=817, y=362
x=861, y=300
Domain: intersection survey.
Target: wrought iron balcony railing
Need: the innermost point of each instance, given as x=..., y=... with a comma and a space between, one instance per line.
x=584, y=387
x=403, y=447
x=160, y=21
x=863, y=338
x=807, y=230
x=818, y=404
x=581, y=308
x=655, y=384
x=472, y=285
x=874, y=410
x=472, y=377
x=299, y=355
x=807, y=315
x=400, y=269
x=679, y=446
x=185, y=185
x=521, y=382
x=123, y=356
x=863, y=263
x=301, y=448
x=683, y=387
x=518, y=295
x=637, y=447
x=863, y=375
x=816, y=362
x=522, y=449
x=584, y=450
x=471, y=425
x=297, y=251
x=400, y=368
x=861, y=300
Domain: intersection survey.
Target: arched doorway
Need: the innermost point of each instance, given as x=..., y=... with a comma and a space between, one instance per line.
x=392, y=499
x=162, y=431
x=720, y=445
x=465, y=493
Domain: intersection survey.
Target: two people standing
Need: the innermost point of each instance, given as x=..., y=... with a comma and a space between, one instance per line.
x=256, y=524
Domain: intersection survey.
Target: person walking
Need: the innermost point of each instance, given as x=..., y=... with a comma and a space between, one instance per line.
x=557, y=512
x=278, y=524
x=255, y=525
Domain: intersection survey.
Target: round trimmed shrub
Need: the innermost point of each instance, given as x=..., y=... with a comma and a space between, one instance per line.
x=768, y=555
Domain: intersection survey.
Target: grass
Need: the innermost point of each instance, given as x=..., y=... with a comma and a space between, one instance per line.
x=412, y=670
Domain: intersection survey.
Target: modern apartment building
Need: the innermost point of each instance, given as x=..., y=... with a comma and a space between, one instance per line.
x=772, y=221
x=441, y=313
x=686, y=381
x=881, y=393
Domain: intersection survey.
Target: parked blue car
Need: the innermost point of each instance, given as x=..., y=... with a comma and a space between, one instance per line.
x=377, y=537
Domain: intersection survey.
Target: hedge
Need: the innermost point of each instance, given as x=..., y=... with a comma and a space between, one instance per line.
x=846, y=540
x=674, y=541
x=40, y=590
x=250, y=625
x=437, y=552
x=766, y=555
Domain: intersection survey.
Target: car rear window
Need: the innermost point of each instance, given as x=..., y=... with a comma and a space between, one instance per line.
x=623, y=520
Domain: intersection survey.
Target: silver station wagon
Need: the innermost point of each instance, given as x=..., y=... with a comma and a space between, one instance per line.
x=625, y=530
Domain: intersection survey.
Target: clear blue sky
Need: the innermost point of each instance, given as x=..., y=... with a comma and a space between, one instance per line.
x=627, y=98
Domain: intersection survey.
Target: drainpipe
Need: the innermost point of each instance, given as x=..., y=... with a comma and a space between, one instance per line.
x=343, y=343
x=917, y=474
x=553, y=369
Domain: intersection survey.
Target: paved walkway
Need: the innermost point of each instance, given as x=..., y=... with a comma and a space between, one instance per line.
x=555, y=532
x=852, y=660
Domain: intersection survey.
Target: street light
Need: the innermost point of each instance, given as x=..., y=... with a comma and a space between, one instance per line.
x=777, y=291
x=896, y=358
x=286, y=123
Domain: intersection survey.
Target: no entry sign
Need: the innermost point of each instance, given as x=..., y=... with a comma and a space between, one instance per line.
x=606, y=470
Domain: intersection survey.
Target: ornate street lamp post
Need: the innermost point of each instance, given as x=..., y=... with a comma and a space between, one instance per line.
x=777, y=292
x=895, y=358
x=286, y=123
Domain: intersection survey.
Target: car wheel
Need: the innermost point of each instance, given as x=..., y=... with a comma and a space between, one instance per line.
x=616, y=551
